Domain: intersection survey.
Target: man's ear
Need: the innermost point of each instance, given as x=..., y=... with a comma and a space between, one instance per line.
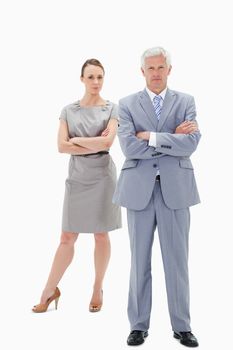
x=143, y=72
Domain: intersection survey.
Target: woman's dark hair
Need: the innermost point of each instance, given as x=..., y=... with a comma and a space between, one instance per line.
x=93, y=62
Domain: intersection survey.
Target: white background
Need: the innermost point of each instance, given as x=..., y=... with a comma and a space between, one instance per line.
x=43, y=45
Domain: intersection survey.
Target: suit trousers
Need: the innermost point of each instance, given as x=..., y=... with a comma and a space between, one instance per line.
x=173, y=231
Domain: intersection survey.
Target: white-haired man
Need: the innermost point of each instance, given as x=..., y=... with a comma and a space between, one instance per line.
x=158, y=133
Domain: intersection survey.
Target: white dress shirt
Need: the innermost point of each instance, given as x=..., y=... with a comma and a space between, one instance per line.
x=152, y=139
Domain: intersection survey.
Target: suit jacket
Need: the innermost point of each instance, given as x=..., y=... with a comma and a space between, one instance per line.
x=171, y=155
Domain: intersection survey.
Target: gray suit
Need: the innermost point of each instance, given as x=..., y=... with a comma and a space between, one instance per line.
x=152, y=204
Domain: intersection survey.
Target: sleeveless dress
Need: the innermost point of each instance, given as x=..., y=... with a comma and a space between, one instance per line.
x=91, y=181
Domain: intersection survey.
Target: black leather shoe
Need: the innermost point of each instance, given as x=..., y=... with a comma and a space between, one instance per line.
x=186, y=338
x=136, y=337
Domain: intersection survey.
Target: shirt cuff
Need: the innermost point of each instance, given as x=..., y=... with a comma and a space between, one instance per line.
x=152, y=139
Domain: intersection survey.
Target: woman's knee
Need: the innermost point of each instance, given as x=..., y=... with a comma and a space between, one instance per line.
x=101, y=237
x=68, y=237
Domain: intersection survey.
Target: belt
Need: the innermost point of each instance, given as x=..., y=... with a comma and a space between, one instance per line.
x=91, y=154
x=157, y=178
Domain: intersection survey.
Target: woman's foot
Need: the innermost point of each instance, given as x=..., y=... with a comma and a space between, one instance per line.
x=96, y=301
x=47, y=297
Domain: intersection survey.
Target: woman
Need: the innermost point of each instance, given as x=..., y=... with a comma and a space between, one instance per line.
x=87, y=130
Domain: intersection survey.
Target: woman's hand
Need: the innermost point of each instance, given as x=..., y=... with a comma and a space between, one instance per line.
x=73, y=140
x=105, y=132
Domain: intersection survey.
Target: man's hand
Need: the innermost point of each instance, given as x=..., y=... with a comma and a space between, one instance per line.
x=143, y=135
x=187, y=127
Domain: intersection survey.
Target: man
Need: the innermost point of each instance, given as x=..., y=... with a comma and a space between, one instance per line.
x=158, y=133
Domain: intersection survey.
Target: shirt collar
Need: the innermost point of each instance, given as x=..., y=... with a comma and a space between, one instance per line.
x=152, y=94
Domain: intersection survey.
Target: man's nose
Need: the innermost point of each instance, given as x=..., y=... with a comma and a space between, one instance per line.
x=156, y=75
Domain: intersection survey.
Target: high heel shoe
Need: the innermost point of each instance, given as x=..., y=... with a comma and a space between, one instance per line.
x=96, y=307
x=43, y=307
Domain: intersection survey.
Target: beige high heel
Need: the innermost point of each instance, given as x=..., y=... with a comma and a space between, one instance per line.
x=96, y=307
x=43, y=307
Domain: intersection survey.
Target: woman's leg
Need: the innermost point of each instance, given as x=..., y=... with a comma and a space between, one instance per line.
x=62, y=260
x=101, y=258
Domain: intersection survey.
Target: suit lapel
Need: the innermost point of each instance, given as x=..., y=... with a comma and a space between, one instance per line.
x=168, y=102
x=148, y=108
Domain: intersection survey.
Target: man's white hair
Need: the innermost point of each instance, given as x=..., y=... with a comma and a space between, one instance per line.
x=156, y=51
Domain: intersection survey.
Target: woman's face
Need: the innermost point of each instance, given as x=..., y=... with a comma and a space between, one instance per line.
x=93, y=78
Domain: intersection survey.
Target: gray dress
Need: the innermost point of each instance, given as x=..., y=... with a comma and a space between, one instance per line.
x=91, y=181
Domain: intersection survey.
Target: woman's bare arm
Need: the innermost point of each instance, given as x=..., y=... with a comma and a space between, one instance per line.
x=65, y=146
x=99, y=143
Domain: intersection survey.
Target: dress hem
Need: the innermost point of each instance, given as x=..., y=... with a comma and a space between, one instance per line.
x=92, y=231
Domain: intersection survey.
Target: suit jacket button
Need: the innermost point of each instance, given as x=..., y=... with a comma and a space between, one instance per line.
x=154, y=165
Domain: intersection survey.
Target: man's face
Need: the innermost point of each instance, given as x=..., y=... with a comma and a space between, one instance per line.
x=156, y=72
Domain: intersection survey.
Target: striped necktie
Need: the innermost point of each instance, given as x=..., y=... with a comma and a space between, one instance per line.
x=157, y=105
